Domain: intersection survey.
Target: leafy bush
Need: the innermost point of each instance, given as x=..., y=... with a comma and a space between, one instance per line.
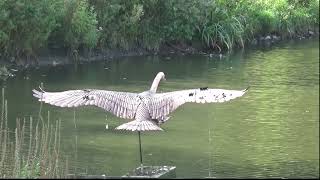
x=26, y=25
x=313, y=10
x=296, y=17
x=119, y=21
x=80, y=25
x=29, y=26
x=181, y=18
x=266, y=21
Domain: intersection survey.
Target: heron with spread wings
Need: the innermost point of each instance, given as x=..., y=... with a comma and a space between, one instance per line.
x=147, y=110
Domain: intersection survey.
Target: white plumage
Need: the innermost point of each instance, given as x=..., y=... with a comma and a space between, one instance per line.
x=147, y=108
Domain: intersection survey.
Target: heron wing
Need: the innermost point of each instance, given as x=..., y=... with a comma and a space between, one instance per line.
x=164, y=103
x=121, y=104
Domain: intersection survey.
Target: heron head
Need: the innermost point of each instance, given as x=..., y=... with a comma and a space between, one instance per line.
x=162, y=75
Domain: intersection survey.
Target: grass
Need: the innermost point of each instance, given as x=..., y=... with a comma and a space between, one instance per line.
x=30, y=150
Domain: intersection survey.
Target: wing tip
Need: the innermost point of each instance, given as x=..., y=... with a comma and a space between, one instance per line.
x=36, y=93
x=245, y=90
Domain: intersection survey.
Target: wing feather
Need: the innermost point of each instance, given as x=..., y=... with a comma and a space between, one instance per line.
x=121, y=104
x=74, y=102
x=164, y=103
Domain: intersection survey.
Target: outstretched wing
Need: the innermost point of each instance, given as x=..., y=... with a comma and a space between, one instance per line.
x=121, y=104
x=164, y=103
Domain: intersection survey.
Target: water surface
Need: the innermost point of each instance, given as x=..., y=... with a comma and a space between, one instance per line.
x=272, y=131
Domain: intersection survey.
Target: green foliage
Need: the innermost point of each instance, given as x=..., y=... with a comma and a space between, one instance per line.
x=26, y=172
x=293, y=17
x=181, y=17
x=151, y=34
x=29, y=26
x=80, y=25
x=120, y=22
x=220, y=29
x=26, y=25
x=266, y=21
x=313, y=10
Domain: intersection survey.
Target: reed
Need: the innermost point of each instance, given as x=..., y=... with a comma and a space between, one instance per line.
x=29, y=152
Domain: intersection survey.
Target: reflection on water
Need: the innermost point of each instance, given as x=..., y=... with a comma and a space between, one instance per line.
x=273, y=131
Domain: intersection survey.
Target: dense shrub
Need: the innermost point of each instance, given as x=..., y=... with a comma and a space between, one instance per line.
x=221, y=29
x=119, y=21
x=26, y=25
x=29, y=26
x=79, y=25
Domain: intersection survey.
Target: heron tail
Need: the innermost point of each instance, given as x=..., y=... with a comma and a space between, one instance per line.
x=139, y=125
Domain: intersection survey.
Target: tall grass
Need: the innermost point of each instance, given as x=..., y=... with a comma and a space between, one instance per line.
x=227, y=24
x=223, y=34
x=30, y=153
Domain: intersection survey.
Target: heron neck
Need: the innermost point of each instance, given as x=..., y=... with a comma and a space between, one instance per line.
x=155, y=84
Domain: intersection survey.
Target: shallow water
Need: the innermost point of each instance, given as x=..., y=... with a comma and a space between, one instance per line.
x=272, y=131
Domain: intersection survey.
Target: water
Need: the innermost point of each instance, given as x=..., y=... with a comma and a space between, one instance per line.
x=272, y=131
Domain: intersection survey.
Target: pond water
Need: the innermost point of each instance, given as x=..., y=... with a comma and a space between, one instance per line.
x=272, y=131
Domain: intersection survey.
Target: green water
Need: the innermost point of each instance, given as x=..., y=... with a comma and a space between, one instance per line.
x=272, y=131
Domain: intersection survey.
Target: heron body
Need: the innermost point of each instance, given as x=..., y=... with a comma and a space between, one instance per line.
x=146, y=110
